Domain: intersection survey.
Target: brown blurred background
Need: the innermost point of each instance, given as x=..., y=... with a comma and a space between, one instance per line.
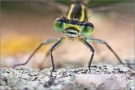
x=25, y=24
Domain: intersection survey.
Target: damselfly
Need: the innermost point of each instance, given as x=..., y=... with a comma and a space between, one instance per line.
x=74, y=26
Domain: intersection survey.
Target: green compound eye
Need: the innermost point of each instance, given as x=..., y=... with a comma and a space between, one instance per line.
x=87, y=29
x=59, y=24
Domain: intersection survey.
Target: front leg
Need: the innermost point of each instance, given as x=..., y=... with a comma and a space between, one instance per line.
x=92, y=49
x=51, y=50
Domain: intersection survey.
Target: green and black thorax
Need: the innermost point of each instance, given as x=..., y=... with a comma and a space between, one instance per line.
x=77, y=11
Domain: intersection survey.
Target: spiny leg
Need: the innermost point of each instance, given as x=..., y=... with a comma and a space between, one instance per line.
x=91, y=48
x=51, y=50
x=44, y=42
x=103, y=42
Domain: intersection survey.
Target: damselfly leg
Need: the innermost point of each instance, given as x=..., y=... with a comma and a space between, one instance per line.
x=90, y=39
x=59, y=40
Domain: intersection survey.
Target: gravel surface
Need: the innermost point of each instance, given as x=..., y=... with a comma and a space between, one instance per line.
x=63, y=79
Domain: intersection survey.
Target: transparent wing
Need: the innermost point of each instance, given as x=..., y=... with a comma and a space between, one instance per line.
x=118, y=9
x=121, y=11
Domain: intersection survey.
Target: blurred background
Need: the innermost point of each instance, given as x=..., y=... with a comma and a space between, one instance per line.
x=25, y=24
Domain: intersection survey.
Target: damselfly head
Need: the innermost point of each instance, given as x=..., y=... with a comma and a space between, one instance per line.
x=73, y=28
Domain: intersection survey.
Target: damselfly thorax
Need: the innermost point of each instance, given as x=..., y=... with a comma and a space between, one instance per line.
x=77, y=11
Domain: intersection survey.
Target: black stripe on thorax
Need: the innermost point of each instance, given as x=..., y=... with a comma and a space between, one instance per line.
x=77, y=11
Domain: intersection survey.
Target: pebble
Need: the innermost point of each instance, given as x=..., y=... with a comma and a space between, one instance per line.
x=124, y=69
x=106, y=81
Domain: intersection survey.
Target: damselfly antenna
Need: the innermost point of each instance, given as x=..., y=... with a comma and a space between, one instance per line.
x=62, y=15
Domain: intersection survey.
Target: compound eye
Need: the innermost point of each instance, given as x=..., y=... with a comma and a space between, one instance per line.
x=87, y=29
x=59, y=24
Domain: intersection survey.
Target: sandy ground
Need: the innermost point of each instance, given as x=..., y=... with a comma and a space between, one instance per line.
x=109, y=78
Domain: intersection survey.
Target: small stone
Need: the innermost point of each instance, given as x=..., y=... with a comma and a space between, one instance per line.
x=123, y=69
x=109, y=68
x=3, y=83
x=21, y=84
x=132, y=88
x=46, y=79
x=131, y=84
x=33, y=78
x=25, y=76
x=12, y=81
x=5, y=88
x=58, y=87
x=33, y=73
